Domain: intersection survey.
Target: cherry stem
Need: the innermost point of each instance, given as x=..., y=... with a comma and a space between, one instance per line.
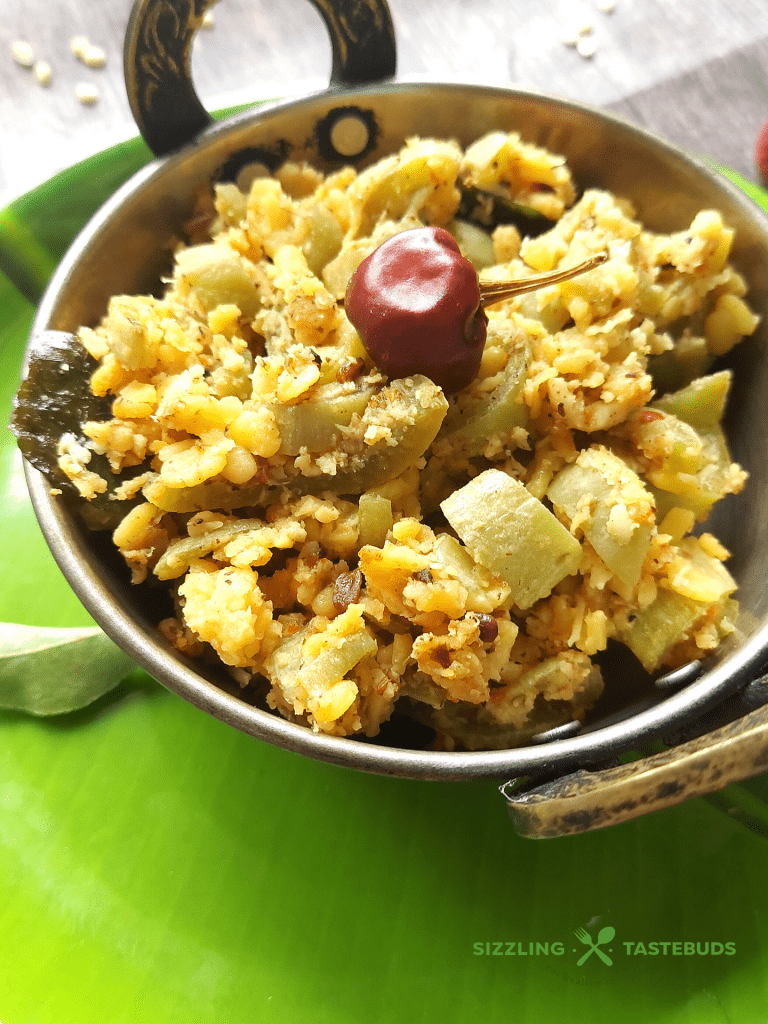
x=498, y=291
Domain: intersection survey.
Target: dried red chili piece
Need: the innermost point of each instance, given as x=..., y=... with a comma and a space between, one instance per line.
x=350, y=371
x=347, y=589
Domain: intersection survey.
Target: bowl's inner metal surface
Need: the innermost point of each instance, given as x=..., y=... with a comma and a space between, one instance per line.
x=128, y=245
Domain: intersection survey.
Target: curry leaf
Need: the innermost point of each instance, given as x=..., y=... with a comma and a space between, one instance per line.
x=47, y=671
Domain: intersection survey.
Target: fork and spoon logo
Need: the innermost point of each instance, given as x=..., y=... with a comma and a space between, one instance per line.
x=603, y=936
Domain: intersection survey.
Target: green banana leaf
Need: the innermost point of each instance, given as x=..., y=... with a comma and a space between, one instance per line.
x=158, y=867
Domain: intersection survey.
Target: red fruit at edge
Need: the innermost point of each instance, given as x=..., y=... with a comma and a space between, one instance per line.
x=761, y=153
x=415, y=302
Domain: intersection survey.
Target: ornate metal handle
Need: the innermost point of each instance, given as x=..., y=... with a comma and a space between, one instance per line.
x=158, y=49
x=584, y=800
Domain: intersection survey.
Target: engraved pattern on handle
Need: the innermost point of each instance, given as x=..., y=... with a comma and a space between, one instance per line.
x=589, y=800
x=362, y=40
x=158, y=54
x=157, y=60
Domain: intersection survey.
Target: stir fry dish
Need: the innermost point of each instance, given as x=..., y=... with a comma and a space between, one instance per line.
x=428, y=438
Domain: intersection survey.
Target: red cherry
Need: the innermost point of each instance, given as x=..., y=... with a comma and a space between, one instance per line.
x=415, y=302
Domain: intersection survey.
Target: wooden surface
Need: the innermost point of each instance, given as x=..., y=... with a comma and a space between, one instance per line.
x=694, y=71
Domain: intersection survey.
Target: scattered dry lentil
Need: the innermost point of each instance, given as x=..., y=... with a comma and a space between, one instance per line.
x=86, y=93
x=23, y=53
x=43, y=72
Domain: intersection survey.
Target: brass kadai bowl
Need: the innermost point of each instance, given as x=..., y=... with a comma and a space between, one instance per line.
x=711, y=716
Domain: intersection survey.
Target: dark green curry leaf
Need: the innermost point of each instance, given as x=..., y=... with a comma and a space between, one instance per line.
x=55, y=399
x=47, y=671
x=489, y=209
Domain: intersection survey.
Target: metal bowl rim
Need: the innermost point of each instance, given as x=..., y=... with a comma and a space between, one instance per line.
x=737, y=668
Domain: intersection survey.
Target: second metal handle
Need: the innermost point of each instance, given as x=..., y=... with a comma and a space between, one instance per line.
x=585, y=800
x=158, y=50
